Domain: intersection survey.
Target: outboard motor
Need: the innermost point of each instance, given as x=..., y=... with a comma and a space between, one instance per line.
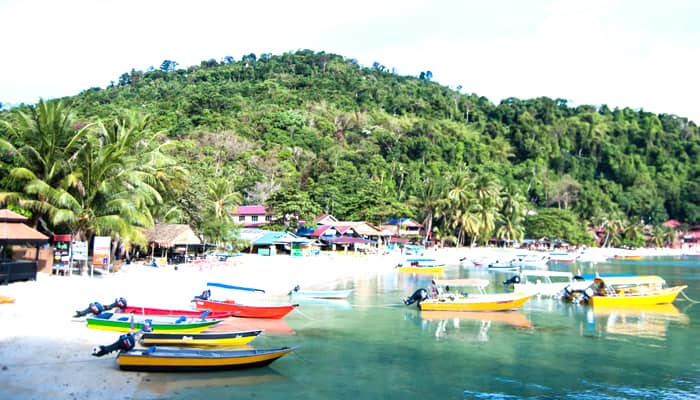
x=514, y=279
x=126, y=342
x=93, y=308
x=296, y=289
x=204, y=296
x=120, y=302
x=417, y=296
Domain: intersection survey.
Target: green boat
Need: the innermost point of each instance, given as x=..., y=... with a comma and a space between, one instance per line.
x=131, y=322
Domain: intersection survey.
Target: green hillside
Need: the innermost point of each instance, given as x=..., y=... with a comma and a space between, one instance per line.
x=310, y=133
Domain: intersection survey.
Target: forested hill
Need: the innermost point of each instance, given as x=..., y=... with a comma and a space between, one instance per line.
x=365, y=143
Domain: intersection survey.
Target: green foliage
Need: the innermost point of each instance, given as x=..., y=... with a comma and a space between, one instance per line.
x=556, y=223
x=315, y=132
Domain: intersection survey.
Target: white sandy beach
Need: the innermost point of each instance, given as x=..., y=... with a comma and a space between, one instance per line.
x=46, y=354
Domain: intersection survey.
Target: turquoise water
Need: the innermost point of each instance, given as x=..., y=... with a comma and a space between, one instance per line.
x=377, y=348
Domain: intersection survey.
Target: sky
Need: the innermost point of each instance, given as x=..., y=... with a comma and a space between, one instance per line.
x=642, y=54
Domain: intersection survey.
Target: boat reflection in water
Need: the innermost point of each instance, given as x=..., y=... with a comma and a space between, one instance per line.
x=447, y=323
x=269, y=326
x=170, y=383
x=641, y=321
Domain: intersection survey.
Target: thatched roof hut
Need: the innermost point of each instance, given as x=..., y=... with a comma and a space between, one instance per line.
x=170, y=235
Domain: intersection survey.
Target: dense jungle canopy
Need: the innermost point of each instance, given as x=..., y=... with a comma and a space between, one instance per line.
x=309, y=133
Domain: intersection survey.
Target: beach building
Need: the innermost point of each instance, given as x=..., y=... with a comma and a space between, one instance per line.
x=252, y=216
x=172, y=242
x=21, y=255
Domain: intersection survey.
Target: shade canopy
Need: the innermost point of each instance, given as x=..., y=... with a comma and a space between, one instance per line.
x=13, y=230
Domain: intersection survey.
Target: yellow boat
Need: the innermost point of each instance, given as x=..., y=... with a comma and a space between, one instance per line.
x=448, y=299
x=206, y=339
x=161, y=359
x=421, y=265
x=633, y=291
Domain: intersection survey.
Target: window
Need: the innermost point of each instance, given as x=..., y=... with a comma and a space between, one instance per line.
x=241, y=218
x=268, y=218
x=254, y=218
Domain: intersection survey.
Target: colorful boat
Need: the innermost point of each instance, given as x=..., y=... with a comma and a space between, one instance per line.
x=161, y=359
x=173, y=312
x=243, y=310
x=633, y=291
x=446, y=298
x=429, y=265
x=130, y=322
x=207, y=339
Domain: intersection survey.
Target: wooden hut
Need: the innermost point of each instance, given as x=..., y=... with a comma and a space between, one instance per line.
x=14, y=232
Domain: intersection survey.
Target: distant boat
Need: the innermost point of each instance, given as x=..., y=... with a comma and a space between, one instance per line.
x=421, y=265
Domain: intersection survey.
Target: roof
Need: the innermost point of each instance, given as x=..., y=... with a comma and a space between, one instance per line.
x=169, y=235
x=326, y=219
x=21, y=234
x=408, y=222
x=363, y=228
x=347, y=240
x=250, y=210
x=11, y=216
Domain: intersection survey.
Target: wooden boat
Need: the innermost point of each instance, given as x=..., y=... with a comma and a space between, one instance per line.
x=243, y=310
x=429, y=265
x=269, y=326
x=130, y=322
x=161, y=359
x=320, y=294
x=207, y=339
x=633, y=291
x=173, y=312
x=449, y=299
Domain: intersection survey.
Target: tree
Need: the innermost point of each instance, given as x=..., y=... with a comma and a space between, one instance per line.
x=293, y=207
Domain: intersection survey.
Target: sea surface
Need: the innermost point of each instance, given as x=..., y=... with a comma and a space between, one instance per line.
x=375, y=347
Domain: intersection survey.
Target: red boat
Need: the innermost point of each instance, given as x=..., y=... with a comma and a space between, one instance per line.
x=167, y=311
x=244, y=311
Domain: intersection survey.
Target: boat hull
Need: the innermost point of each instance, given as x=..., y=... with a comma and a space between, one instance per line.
x=430, y=270
x=209, y=339
x=652, y=297
x=173, y=312
x=123, y=323
x=194, y=360
x=245, y=311
x=488, y=302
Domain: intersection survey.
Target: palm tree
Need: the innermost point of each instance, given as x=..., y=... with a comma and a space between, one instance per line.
x=487, y=193
x=512, y=215
x=427, y=202
x=43, y=143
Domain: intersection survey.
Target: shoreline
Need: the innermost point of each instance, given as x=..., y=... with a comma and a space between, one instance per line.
x=45, y=353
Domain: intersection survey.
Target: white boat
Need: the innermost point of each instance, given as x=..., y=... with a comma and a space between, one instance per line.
x=547, y=282
x=503, y=266
x=531, y=260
